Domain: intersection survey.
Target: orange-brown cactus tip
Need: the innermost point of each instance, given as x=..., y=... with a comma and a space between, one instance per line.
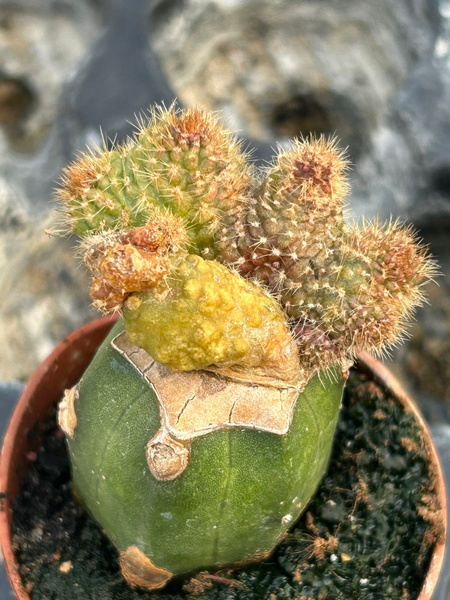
x=87, y=204
x=77, y=177
x=313, y=167
x=164, y=234
x=105, y=297
x=397, y=254
x=193, y=128
x=383, y=270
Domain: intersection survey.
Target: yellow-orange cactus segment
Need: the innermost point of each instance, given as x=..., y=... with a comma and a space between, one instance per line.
x=204, y=315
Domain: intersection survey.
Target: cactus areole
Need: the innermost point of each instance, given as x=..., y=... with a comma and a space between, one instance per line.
x=205, y=422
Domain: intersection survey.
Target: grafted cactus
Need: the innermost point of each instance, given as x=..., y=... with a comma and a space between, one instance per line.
x=205, y=422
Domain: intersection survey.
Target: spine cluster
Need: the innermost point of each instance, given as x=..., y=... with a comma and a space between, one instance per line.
x=181, y=162
x=183, y=187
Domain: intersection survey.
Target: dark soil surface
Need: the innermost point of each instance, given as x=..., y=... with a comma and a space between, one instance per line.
x=368, y=533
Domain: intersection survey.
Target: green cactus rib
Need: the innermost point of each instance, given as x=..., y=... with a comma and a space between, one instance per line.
x=238, y=480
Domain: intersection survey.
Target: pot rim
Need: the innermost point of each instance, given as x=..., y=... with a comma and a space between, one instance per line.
x=98, y=329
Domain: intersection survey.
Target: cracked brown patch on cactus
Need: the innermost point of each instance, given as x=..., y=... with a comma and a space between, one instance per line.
x=139, y=571
x=194, y=405
x=166, y=457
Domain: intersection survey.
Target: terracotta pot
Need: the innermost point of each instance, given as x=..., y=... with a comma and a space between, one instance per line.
x=60, y=370
x=64, y=367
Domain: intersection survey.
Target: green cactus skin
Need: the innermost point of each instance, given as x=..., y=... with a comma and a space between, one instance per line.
x=240, y=492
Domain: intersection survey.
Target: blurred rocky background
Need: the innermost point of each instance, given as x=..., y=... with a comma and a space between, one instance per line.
x=377, y=74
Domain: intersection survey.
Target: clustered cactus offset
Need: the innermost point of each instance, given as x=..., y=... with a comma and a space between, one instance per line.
x=198, y=435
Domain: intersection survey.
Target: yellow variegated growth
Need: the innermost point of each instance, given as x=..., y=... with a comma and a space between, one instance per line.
x=202, y=315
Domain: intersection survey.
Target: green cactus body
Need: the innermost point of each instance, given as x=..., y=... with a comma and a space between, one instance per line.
x=108, y=191
x=241, y=490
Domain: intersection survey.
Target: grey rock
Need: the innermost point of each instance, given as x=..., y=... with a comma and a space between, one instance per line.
x=84, y=77
x=41, y=45
x=44, y=297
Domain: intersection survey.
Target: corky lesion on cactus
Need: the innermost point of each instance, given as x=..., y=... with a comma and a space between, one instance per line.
x=240, y=292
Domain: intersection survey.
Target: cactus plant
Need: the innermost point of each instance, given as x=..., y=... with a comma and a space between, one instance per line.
x=204, y=424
